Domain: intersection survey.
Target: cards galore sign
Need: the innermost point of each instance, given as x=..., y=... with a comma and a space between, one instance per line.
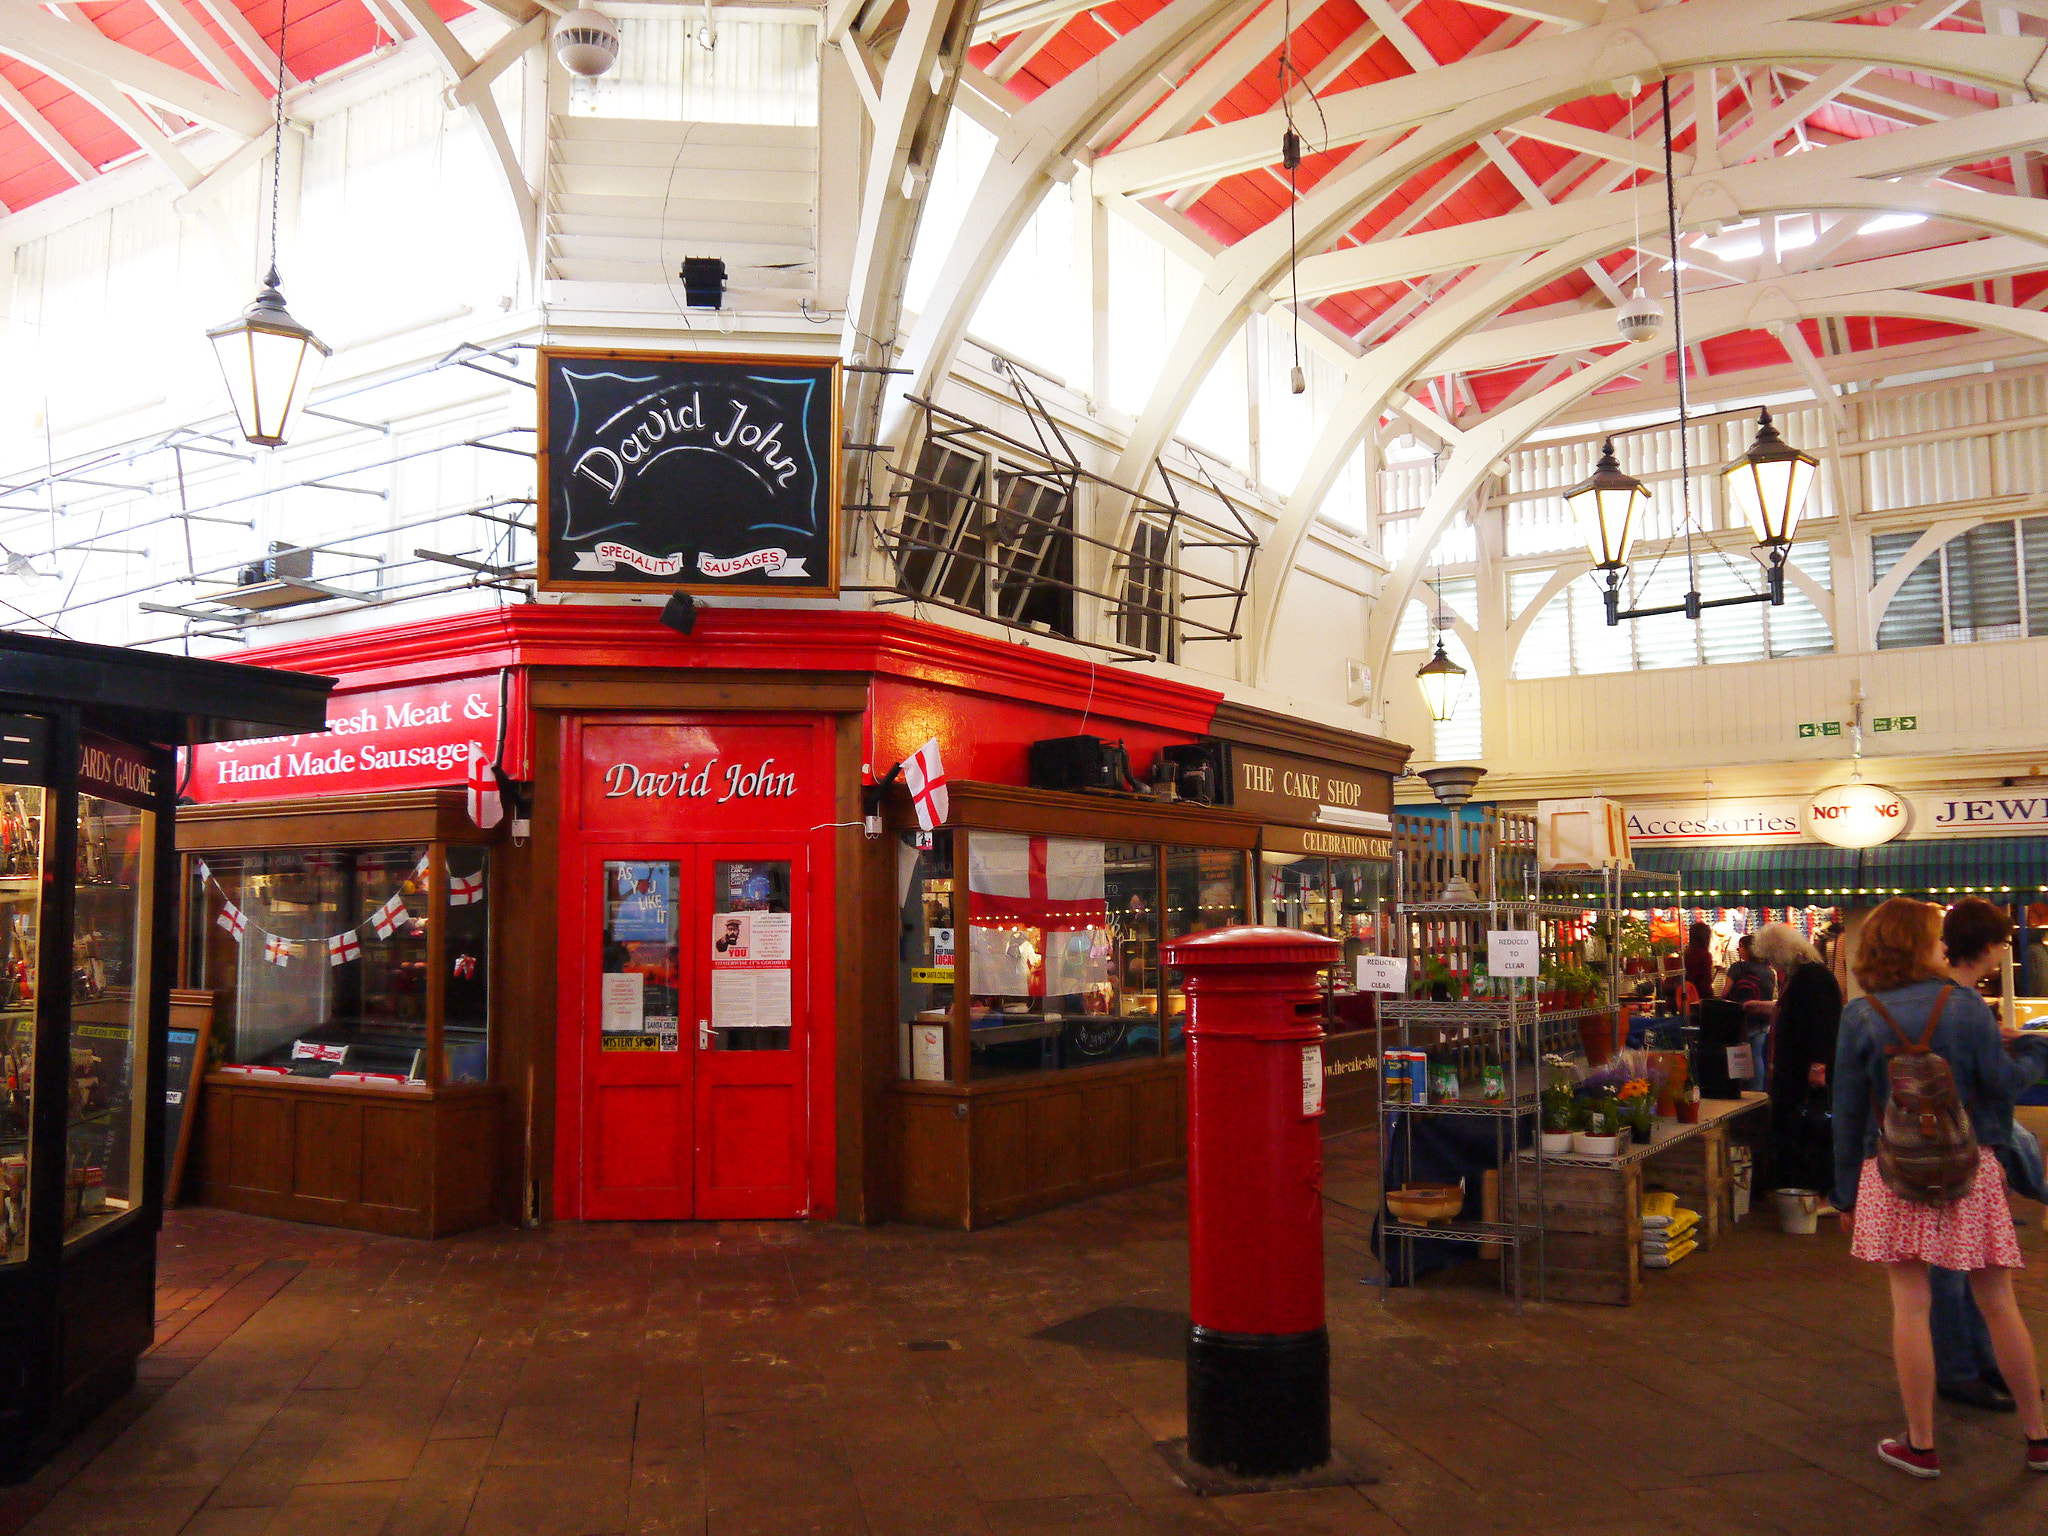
x=414, y=737
x=711, y=474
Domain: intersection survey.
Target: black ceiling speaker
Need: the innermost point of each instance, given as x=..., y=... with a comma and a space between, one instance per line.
x=680, y=613
x=704, y=282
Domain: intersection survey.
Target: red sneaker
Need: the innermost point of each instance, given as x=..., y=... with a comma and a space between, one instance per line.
x=1918, y=1463
x=2037, y=1455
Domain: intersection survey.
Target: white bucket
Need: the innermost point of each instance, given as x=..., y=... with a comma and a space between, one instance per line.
x=1798, y=1210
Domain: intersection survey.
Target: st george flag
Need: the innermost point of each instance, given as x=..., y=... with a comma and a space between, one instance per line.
x=463, y=890
x=343, y=948
x=278, y=951
x=486, y=804
x=387, y=917
x=925, y=777
x=233, y=918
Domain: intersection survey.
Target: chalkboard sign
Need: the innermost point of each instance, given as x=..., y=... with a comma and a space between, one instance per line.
x=689, y=473
x=184, y=1068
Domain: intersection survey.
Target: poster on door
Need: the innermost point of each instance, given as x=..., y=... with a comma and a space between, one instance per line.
x=642, y=894
x=750, y=970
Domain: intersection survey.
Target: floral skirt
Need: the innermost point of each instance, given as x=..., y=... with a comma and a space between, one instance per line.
x=1974, y=1233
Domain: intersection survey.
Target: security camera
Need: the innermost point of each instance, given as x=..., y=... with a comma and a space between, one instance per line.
x=587, y=42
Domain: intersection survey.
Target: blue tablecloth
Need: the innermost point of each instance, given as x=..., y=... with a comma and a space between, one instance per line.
x=1436, y=1149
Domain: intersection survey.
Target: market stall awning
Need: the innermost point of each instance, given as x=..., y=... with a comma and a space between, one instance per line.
x=1812, y=873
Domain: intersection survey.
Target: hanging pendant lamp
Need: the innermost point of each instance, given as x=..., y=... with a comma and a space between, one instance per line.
x=1769, y=483
x=268, y=359
x=1443, y=682
x=1604, y=505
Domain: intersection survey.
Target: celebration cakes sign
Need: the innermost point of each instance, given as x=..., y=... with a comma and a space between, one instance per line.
x=689, y=473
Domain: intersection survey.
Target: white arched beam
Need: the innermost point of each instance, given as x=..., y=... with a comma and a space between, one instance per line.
x=471, y=88
x=1039, y=139
x=1433, y=340
x=1711, y=314
x=1450, y=108
x=58, y=47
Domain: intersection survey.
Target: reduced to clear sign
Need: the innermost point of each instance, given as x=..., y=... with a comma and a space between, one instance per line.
x=1382, y=973
x=1511, y=952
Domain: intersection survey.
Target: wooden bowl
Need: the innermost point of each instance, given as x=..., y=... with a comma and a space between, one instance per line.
x=1425, y=1203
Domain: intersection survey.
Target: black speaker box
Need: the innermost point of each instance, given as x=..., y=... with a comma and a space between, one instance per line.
x=1080, y=762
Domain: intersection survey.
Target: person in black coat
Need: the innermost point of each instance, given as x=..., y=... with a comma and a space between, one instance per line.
x=1809, y=1018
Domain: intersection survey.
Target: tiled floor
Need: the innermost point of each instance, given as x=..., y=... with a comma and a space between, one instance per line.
x=771, y=1379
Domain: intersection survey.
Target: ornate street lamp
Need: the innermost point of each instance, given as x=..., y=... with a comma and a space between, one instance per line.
x=1605, y=505
x=267, y=358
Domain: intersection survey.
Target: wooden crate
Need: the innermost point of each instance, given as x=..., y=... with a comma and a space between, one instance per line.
x=1593, y=1231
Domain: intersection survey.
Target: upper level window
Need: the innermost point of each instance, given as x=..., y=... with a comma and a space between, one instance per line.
x=989, y=536
x=1990, y=583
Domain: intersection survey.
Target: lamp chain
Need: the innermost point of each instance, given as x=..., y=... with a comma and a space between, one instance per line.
x=277, y=141
x=1678, y=340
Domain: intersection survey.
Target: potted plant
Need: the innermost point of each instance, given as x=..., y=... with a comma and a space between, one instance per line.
x=1561, y=1118
x=1602, y=1134
x=1432, y=981
x=1637, y=1109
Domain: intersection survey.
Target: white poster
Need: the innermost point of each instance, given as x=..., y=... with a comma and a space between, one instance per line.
x=1311, y=1079
x=743, y=999
x=1511, y=953
x=624, y=1000
x=928, y=1053
x=771, y=999
x=768, y=935
x=1382, y=973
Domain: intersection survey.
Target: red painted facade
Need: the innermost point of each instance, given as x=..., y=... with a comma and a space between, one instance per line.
x=676, y=800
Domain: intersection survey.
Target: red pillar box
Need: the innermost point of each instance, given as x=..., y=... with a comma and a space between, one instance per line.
x=1258, y=1353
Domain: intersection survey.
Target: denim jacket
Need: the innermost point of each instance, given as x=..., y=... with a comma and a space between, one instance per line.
x=1988, y=1077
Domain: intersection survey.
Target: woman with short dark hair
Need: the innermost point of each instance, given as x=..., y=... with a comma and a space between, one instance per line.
x=1901, y=966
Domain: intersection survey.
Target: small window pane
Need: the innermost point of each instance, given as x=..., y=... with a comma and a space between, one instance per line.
x=21, y=900
x=753, y=972
x=1984, y=584
x=1913, y=616
x=466, y=995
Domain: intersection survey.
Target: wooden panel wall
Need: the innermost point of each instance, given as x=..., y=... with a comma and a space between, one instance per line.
x=987, y=1154
x=403, y=1164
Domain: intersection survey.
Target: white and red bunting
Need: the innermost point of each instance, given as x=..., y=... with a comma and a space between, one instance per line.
x=278, y=950
x=344, y=947
x=465, y=890
x=234, y=919
x=387, y=918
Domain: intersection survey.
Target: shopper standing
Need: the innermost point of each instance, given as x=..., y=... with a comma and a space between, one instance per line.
x=1699, y=961
x=1809, y=1013
x=1749, y=979
x=1977, y=937
x=1900, y=965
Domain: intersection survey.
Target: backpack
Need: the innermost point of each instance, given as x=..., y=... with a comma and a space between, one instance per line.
x=1927, y=1154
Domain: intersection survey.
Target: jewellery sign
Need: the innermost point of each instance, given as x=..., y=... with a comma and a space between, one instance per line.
x=689, y=473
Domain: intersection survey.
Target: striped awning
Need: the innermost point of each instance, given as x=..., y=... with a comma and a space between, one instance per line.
x=1813, y=873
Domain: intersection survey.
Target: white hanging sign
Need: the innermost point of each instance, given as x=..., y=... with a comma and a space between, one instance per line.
x=1382, y=973
x=1511, y=952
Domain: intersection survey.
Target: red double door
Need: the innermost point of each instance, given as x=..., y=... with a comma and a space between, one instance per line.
x=695, y=971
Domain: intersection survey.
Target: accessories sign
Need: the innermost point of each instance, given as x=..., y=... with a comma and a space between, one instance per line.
x=690, y=473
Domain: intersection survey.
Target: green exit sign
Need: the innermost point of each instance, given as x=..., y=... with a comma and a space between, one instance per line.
x=1896, y=723
x=1809, y=729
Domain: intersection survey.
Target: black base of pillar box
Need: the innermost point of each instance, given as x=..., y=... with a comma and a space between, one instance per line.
x=1258, y=1403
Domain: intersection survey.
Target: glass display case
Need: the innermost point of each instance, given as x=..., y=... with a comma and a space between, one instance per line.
x=1347, y=899
x=87, y=799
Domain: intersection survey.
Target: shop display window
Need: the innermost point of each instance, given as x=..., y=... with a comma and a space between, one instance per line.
x=466, y=998
x=21, y=894
x=320, y=961
x=925, y=963
x=1205, y=888
x=110, y=949
x=1343, y=899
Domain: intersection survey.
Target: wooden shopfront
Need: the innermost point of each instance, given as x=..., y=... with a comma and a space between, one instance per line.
x=689, y=985
x=1323, y=799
